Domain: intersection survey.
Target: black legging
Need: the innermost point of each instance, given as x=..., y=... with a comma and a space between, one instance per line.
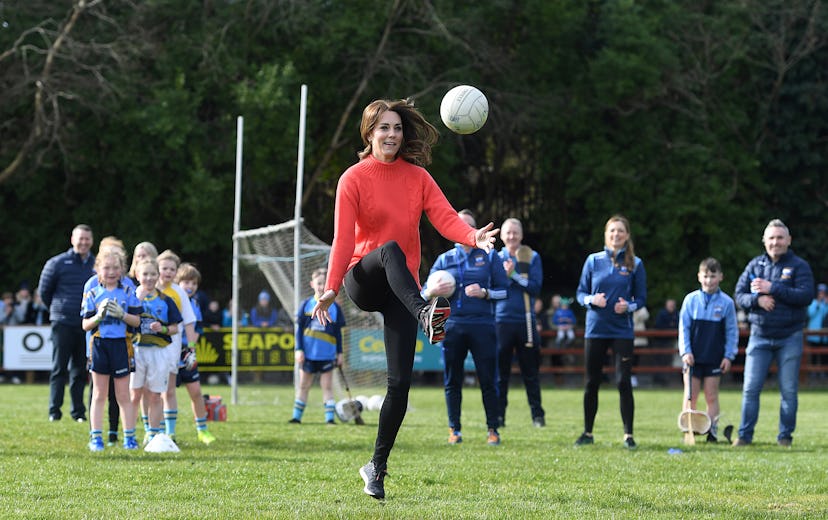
x=381, y=282
x=596, y=351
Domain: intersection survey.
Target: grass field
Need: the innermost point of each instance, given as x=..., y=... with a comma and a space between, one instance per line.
x=262, y=467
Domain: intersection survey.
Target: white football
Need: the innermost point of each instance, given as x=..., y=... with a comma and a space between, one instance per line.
x=464, y=109
x=436, y=277
x=375, y=402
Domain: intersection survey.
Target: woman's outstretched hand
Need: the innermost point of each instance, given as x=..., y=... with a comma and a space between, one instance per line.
x=485, y=237
x=320, y=310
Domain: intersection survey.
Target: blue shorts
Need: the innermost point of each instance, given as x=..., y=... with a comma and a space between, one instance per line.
x=187, y=376
x=701, y=370
x=313, y=366
x=110, y=356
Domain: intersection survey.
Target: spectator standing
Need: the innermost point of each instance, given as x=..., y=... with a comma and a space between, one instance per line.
x=613, y=285
x=479, y=282
x=510, y=321
x=318, y=350
x=708, y=339
x=7, y=314
x=776, y=289
x=212, y=315
x=263, y=314
x=817, y=315
x=61, y=289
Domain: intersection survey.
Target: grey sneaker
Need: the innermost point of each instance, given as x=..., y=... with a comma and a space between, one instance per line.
x=433, y=319
x=374, y=481
x=739, y=442
x=785, y=443
x=584, y=439
x=539, y=421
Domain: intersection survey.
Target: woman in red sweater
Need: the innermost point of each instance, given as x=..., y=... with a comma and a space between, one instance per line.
x=376, y=251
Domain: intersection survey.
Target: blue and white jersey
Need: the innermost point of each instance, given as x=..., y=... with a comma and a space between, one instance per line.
x=708, y=328
x=199, y=324
x=161, y=308
x=475, y=267
x=601, y=275
x=319, y=343
x=110, y=327
x=512, y=309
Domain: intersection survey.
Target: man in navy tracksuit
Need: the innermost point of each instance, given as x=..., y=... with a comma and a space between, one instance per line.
x=61, y=289
x=479, y=281
x=510, y=320
x=775, y=289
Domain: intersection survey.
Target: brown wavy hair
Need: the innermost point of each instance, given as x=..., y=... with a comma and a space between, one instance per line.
x=418, y=134
x=629, y=253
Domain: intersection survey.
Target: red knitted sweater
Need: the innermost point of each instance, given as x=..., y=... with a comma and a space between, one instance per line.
x=377, y=202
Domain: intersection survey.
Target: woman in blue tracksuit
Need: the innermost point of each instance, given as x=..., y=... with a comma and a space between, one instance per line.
x=613, y=285
x=480, y=279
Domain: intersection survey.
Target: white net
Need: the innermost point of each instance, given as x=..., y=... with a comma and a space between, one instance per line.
x=266, y=261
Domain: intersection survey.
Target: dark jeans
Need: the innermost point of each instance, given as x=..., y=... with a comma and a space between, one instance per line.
x=480, y=340
x=596, y=351
x=511, y=340
x=381, y=282
x=68, y=366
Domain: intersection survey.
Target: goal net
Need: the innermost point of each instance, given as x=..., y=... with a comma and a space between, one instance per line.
x=266, y=261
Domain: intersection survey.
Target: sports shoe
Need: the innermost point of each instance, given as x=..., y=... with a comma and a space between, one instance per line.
x=727, y=431
x=374, y=481
x=455, y=437
x=712, y=438
x=739, y=442
x=295, y=421
x=433, y=319
x=494, y=438
x=630, y=444
x=539, y=421
x=584, y=439
x=205, y=436
x=113, y=439
x=96, y=444
x=330, y=423
x=130, y=443
x=785, y=443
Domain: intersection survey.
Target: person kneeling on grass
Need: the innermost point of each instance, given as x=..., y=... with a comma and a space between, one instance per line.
x=318, y=349
x=708, y=339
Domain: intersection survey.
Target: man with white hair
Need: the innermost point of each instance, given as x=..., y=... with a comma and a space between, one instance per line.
x=775, y=289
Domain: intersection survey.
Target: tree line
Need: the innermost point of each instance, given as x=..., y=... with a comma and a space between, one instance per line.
x=699, y=121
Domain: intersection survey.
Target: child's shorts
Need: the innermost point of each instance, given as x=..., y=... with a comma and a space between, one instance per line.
x=110, y=356
x=151, y=369
x=313, y=366
x=187, y=376
x=701, y=370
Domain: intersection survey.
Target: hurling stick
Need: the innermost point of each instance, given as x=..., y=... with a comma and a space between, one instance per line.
x=689, y=435
x=524, y=257
x=357, y=417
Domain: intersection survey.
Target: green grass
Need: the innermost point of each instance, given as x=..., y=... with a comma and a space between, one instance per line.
x=263, y=467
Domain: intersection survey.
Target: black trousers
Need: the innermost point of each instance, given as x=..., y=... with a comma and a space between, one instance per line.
x=68, y=366
x=596, y=352
x=381, y=282
x=511, y=342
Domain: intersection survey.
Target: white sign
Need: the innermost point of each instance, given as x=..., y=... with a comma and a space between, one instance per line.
x=27, y=348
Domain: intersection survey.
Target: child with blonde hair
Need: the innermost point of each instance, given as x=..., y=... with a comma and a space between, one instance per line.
x=108, y=309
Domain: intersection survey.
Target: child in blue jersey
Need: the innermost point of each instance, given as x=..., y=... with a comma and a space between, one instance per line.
x=318, y=349
x=708, y=339
x=114, y=410
x=564, y=320
x=159, y=322
x=480, y=281
x=189, y=279
x=108, y=310
x=168, y=263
